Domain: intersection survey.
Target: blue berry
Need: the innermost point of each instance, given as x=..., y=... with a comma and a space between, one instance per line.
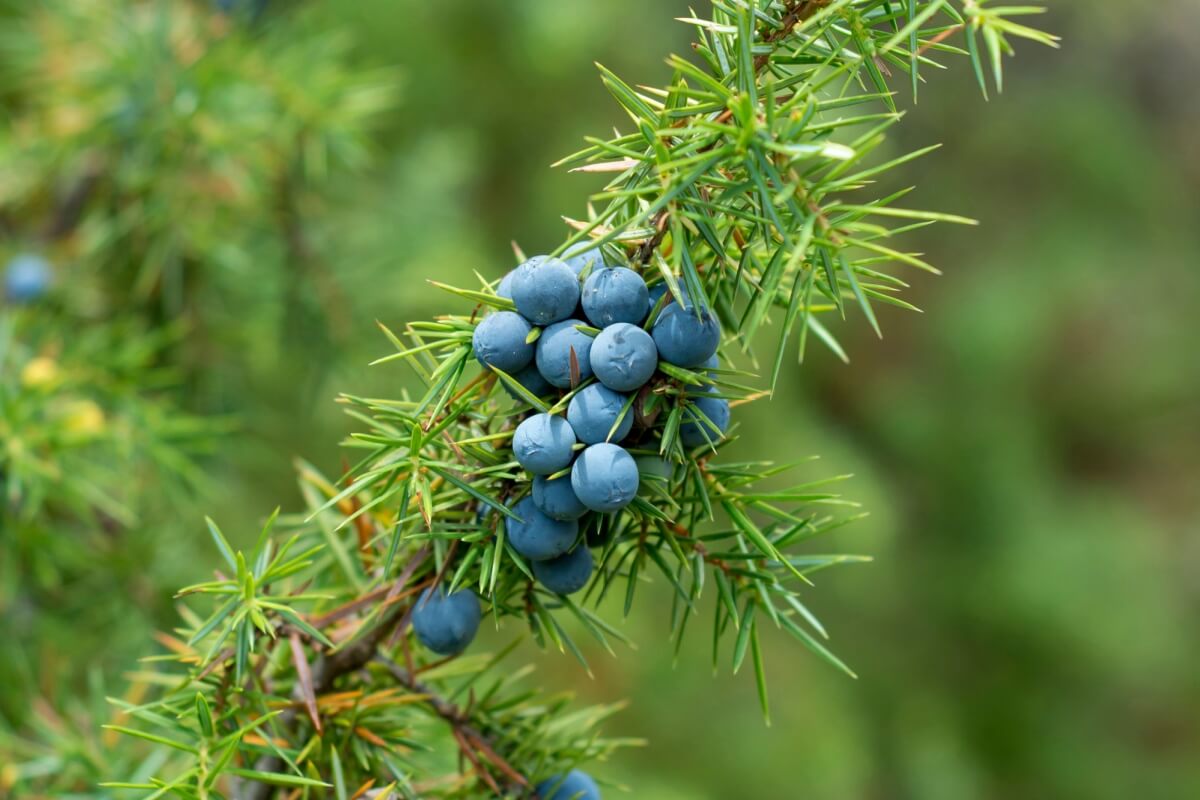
x=660, y=289
x=615, y=295
x=556, y=499
x=532, y=380
x=566, y=574
x=542, y=444
x=554, y=348
x=545, y=290
x=499, y=341
x=576, y=785
x=605, y=477
x=581, y=257
x=594, y=410
x=685, y=339
x=446, y=624
x=693, y=432
x=26, y=278
x=505, y=288
x=624, y=357
x=537, y=536
x=654, y=294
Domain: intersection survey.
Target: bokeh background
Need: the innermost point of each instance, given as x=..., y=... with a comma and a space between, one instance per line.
x=1029, y=447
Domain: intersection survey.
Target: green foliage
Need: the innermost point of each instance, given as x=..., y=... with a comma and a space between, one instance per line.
x=294, y=668
x=94, y=445
x=744, y=168
x=174, y=157
x=390, y=719
x=163, y=160
x=82, y=414
x=161, y=110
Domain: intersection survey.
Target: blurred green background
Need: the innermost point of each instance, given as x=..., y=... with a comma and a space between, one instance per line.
x=1029, y=447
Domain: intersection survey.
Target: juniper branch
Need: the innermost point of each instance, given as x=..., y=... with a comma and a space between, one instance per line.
x=460, y=720
x=737, y=185
x=333, y=665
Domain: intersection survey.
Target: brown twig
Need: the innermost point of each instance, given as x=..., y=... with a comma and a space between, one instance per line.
x=328, y=669
x=796, y=13
x=471, y=741
x=304, y=680
x=331, y=666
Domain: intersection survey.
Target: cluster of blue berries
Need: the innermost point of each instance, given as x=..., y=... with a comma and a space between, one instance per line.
x=599, y=333
x=579, y=326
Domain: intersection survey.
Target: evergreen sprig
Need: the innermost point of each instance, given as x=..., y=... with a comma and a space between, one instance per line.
x=294, y=668
x=740, y=178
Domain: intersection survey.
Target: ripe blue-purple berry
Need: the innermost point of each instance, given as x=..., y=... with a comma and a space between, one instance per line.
x=504, y=289
x=556, y=499
x=567, y=573
x=685, y=336
x=446, y=624
x=624, y=357
x=583, y=257
x=499, y=341
x=26, y=278
x=542, y=444
x=605, y=477
x=554, y=348
x=694, y=431
x=594, y=410
x=575, y=785
x=614, y=295
x=545, y=290
x=536, y=536
x=654, y=294
x=531, y=380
